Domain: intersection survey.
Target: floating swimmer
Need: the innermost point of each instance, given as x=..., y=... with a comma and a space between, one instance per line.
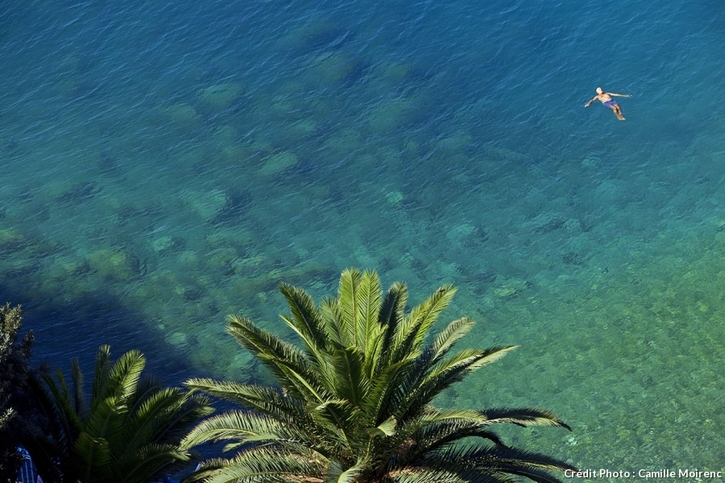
x=606, y=99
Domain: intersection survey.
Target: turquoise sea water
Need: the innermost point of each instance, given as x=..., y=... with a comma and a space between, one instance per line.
x=167, y=164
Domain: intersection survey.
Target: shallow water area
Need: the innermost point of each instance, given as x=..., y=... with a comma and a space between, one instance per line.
x=165, y=165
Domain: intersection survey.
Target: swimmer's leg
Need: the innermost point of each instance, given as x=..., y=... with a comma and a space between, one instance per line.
x=618, y=112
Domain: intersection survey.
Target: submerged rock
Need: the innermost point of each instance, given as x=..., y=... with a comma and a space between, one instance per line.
x=318, y=34
x=511, y=288
x=394, y=197
x=390, y=113
x=11, y=240
x=235, y=204
x=79, y=192
x=591, y=162
x=108, y=165
x=168, y=244
x=218, y=206
x=115, y=264
x=220, y=97
x=207, y=203
x=178, y=340
x=180, y=113
x=69, y=264
x=455, y=142
x=277, y=163
x=337, y=68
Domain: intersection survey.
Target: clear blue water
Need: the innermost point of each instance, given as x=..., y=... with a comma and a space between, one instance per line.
x=167, y=164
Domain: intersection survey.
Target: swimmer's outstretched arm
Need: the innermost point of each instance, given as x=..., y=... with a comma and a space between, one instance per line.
x=591, y=100
x=618, y=95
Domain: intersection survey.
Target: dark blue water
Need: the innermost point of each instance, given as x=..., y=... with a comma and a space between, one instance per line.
x=167, y=164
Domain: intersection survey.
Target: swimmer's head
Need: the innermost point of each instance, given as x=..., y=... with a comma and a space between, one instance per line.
x=599, y=90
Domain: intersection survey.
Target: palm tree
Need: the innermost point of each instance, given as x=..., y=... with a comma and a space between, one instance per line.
x=128, y=431
x=354, y=404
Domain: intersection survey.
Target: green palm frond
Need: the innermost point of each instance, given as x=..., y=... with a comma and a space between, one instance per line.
x=533, y=474
x=390, y=317
x=58, y=402
x=106, y=421
x=149, y=463
x=392, y=387
x=444, y=341
x=179, y=417
x=386, y=428
x=436, y=429
x=262, y=464
x=306, y=319
x=165, y=416
x=517, y=461
x=102, y=369
x=494, y=461
x=350, y=382
x=411, y=333
x=368, y=330
x=288, y=363
x=147, y=386
x=523, y=417
x=79, y=397
x=122, y=380
x=341, y=422
x=269, y=401
x=332, y=318
x=92, y=456
x=243, y=426
x=429, y=475
x=460, y=364
x=447, y=372
x=453, y=433
x=348, y=303
x=337, y=473
x=392, y=309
